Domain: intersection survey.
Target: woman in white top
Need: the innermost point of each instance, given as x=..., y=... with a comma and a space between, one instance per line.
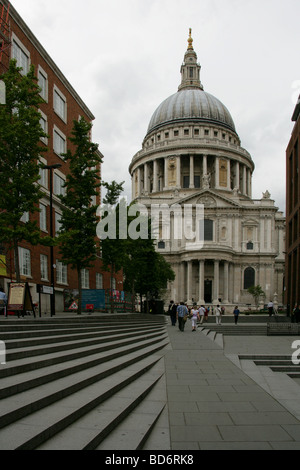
x=195, y=317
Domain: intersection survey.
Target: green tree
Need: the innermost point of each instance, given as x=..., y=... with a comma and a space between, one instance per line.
x=256, y=292
x=77, y=236
x=112, y=247
x=20, y=134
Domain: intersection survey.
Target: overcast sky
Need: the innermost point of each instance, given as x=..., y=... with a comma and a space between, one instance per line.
x=123, y=57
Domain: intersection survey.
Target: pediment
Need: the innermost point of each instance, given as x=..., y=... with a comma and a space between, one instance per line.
x=210, y=199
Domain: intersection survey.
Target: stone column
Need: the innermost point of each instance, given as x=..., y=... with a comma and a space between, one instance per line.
x=192, y=185
x=204, y=165
x=139, y=181
x=226, y=282
x=166, y=183
x=237, y=175
x=178, y=172
x=190, y=282
x=216, y=282
x=146, y=179
x=217, y=172
x=201, y=283
x=244, y=179
x=155, y=176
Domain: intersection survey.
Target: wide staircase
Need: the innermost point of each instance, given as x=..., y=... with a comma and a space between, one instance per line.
x=248, y=325
x=84, y=382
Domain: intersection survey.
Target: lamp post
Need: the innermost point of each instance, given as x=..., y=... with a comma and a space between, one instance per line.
x=52, y=296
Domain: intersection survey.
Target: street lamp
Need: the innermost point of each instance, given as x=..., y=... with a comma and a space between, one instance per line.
x=52, y=296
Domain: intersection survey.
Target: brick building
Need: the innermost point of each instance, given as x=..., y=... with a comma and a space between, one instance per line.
x=293, y=213
x=62, y=105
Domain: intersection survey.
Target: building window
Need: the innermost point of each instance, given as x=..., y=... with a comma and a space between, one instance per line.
x=186, y=131
x=161, y=245
x=99, y=281
x=186, y=182
x=59, y=182
x=176, y=133
x=44, y=126
x=57, y=222
x=249, y=278
x=250, y=246
x=43, y=83
x=44, y=267
x=59, y=142
x=60, y=104
x=85, y=279
x=208, y=230
x=21, y=54
x=196, y=131
x=61, y=273
x=25, y=218
x=24, y=262
x=43, y=217
x=43, y=175
x=197, y=181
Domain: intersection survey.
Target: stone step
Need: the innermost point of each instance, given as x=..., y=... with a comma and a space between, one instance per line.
x=56, y=415
x=32, y=351
x=238, y=330
x=106, y=421
x=50, y=388
x=37, y=376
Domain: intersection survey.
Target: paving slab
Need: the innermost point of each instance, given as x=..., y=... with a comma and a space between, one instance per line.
x=214, y=403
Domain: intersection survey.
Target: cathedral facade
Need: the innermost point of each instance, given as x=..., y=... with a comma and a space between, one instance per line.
x=192, y=156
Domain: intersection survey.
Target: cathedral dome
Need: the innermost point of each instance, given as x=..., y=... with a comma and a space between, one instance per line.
x=191, y=104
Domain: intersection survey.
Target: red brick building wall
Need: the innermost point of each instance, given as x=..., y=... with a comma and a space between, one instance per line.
x=293, y=213
x=16, y=38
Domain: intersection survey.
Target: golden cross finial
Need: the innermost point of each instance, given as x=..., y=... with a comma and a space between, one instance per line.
x=190, y=40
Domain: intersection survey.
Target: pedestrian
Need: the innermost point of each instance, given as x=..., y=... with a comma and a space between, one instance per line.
x=236, y=313
x=182, y=314
x=172, y=312
x=3, y=300
x=201, y=313
x=194, y=316
x=270, y=308
x=297, y=313
x=218, y=315
x=206, y=314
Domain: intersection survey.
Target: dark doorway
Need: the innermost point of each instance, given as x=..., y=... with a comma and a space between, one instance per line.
x=208, y=292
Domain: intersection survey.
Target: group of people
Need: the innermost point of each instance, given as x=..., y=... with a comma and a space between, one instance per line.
x=181, y=312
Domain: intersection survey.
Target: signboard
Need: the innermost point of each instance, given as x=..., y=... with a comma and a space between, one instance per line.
x=19, y=297
x=3, y=271
x=44, y=289
x=95, y=297
x=73, y=306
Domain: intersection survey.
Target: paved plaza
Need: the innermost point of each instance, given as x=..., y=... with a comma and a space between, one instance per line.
x=216, y=401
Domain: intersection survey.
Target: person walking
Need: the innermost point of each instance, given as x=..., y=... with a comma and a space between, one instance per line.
x=194, y=317
x=236, y=313
x=3, y=301
x=181, y=314
x=201, y=313
x=172, y=312
x=270, y=308
x=218, y=315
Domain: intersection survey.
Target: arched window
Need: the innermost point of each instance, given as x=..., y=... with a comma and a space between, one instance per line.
x=249, y=278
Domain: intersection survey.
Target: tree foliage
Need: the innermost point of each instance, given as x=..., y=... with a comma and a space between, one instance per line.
x=20, y=134
x=77, y=236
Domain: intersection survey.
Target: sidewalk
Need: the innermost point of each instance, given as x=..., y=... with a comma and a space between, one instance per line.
x=214, y=404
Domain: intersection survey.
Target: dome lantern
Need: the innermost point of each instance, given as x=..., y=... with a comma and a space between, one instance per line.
x=190, y=69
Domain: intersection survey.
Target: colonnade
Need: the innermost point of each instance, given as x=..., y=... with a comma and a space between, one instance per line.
x=206, y=281
x=191, y=172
